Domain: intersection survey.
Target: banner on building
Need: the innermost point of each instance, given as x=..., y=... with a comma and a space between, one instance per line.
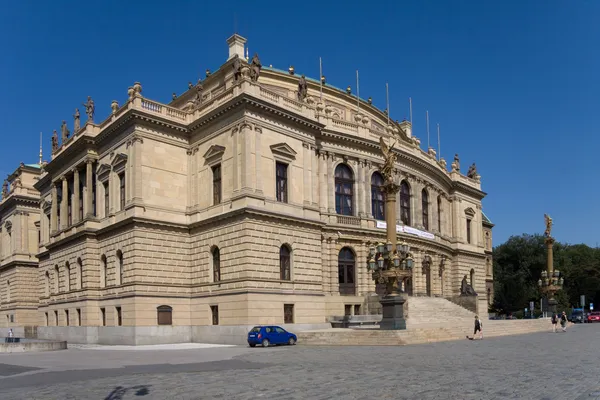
x=407, y=229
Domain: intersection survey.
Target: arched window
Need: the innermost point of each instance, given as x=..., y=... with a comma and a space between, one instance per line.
x=8, y=291
x=68, y=276
x=472, y=278
x=104, y=272
x=120, y=266
x=488, y=242
x=47, y=284
x=56, y=286
x=425, y=206
x=377, y=197
x=79, y=274
x=439, y=213
x=405, y=203
x=488, y=267
x=216, y=262
x=285, y=263
x=344, y=182
x=346, y=264
x=164, y=315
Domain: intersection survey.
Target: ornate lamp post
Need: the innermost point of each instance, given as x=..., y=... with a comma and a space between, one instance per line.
x=550, y=281
x=391, y=263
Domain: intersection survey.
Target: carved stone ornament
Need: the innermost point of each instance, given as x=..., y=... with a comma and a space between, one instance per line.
x=64, y=131
x=389, y=160
x=76, y=121
x=237, y=68
x=255, y=67
x=302, y=88
x=456, y=163
x=114, y=106
x=548, y=220
x=5, y=189
x=466, y=289
x=472, y=173
x=90, y=108
x=54, y=141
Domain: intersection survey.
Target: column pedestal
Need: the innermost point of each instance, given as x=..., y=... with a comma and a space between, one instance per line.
x=393, y=312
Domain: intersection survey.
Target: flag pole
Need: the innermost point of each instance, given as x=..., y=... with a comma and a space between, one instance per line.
x=439, y=147
x=387, y=100
x=410, y=110
x=357, y=94
x=427, y=116
x=321, y=78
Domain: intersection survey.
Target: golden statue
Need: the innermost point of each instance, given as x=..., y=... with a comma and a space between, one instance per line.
x=389, y=157
x=548, y=225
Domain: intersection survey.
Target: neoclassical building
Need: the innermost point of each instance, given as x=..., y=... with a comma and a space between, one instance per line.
x=251, y=198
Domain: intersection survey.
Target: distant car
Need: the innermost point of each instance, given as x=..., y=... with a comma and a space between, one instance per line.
x=270, y=335
x=577, y=317
x=593, y=317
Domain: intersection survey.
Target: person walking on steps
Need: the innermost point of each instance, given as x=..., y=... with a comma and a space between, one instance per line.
x=478, y=328
x=563, y=321
x=554, y=322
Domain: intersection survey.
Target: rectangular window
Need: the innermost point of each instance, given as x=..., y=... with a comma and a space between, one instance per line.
x=58, y=207
x=122, y=191
x=288, y=313
x=164, y=315
x=357, y=309
x=67, y=317
x=103, y=316
x=81, y=198
x=216, y=171
x=106, y=199
x=468, y=231
x=79, y=317
x=281, y=182
x=56, y=317
x=46, y=318
x=119, y=316
x=215, y=314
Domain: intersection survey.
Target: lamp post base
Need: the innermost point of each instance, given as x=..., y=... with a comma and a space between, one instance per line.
x=393, y=312
x=552, y=304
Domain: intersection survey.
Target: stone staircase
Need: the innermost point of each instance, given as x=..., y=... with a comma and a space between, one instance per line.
x=422, y=334
x=432, y=312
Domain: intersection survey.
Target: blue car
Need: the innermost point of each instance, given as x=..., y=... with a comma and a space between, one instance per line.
x=270, y=335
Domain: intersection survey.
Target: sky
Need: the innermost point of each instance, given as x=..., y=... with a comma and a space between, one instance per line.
x=514, y=85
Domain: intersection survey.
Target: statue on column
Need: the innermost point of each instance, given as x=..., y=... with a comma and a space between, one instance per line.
x=302, y=88
x=77, y=122
x=5, y=189
x=548, y=220
x=90, y=108
x=255, y=68
x=54, y=141
x=64, y=131
x=389, y=160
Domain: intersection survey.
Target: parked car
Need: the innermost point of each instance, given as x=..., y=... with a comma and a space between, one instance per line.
x=577, y=316
x=594, y=316
x=270, y=335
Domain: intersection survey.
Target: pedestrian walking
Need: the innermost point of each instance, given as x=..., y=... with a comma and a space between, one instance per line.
x=10, y=335
x=563, y=321
x=478, y=328
x=554, y=322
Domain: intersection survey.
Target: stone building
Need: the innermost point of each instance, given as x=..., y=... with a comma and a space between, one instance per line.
x=19, y=222
x=251, y=198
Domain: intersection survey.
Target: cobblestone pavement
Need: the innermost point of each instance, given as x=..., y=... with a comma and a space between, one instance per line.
x=533, y=366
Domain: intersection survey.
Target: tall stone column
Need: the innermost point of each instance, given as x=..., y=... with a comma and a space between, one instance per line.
x=330, y=184
x=306, y=184
x=88, y=211
x=323, y=199
x=247, y=168
x=258, y=160
x=433, y=201
x=314, y=176
x=137, y=181
x=333, y=266
x=54, y=209
x=76, y=199
x=64, y=205
x=416, y=192
x=25, y=232
x=361, y=188
x=236, y=162
x=325, y=265
x=367, y=196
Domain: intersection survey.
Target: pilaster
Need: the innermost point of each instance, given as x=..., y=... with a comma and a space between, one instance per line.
x=314, y=176
x=362, y=188
x=330, y=184
x=258, y=160
x=88, y=210
x=76, y=200
x=235, y=170
x=367, y=189
x=64, y=211
x=54, y=209
x=323, y=200
x=247, y=168
x=306, y=184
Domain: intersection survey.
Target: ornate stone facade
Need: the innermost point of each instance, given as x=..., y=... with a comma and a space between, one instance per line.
x=239, y=205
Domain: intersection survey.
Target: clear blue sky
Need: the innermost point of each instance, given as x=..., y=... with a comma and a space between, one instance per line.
x=514, y=85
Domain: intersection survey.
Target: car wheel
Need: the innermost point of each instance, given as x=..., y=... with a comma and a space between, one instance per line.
x=265, y=343
x=292, y=341
x=252, y=345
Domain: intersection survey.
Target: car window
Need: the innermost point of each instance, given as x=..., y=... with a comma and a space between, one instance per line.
x=268, y=329
x=256, y=329
x=279, y=330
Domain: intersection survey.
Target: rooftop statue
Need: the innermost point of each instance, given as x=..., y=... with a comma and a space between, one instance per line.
x=389, y=159
x=77, y=123
x=456, y=163
x=302, y=88
x=90, y=108
x=548, y=219
x=64, y=132
x=54, y=141
x=255, y=67
x=237, y=68
x=472, y=173
x=5, y=189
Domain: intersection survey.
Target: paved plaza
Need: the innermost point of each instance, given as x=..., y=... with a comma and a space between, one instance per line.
x=533, y=366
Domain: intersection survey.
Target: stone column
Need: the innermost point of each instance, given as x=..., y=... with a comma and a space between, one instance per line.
x=17, y=232
x=330, y=184
x=457, y=230
x=235, y=169
x=367, y=196
x=314, y=176
x=417, y=188
x=190, y=177
x=76, y=199
x=333, y=266
x=247, y=169
x=258, y=160
x=64, y=210
x=88, y=210
x=25, y=232
x=362, y=188
x=112, y=191
x=433, y=201
x=325, y=265
x=323, y=200
x=307, y=192
x=137, y=181
x=54, y=209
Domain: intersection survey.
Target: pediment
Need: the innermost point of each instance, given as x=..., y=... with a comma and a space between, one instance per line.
x=214, y=152
x=470, y=212
x=103, y=170
x=283, y=150
x=119, y=160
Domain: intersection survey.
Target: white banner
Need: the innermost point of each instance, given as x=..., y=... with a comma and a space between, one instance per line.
x=407, y=229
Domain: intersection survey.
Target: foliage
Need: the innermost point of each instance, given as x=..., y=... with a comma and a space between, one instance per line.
x=518, y=264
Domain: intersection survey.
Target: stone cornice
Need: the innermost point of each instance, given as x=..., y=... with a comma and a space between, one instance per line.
x=463, y=188
x=14, y=200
